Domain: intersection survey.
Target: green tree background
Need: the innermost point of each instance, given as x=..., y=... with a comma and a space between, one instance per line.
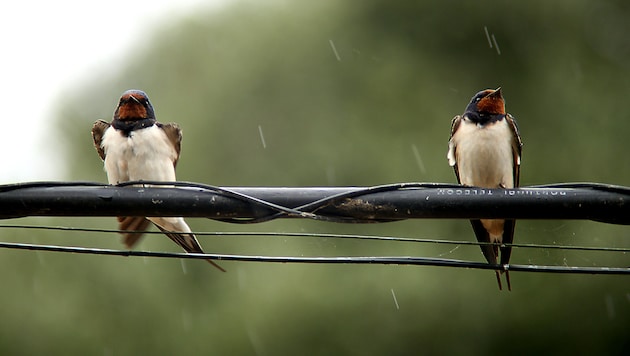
x=401, y=71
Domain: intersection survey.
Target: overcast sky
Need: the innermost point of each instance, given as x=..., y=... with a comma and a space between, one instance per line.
x=46, y=48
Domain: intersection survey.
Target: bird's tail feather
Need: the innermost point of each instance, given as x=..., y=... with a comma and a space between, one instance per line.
x=499, y=279
x=188, y=242
x=491, y=251
x=507, y=279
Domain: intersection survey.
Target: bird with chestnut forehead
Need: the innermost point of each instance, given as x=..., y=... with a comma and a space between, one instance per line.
x=485, y=151
x=134, y=147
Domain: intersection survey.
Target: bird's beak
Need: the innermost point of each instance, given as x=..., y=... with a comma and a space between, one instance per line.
x=138, y=101
x=496, y=93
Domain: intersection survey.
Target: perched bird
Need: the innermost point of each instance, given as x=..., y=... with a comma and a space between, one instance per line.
x=485, y=150
x=134, y=147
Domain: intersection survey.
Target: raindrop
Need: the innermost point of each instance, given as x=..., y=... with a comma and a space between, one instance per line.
x=262, y=137
x=395, y=300
x=449, y=252
x=419, y=161
x=492, y=41
x=183, y=263
x=330, y=175
x=255, y=340
x=40, y=258
x=496, y=45
x=332, y=45
x=485, y=28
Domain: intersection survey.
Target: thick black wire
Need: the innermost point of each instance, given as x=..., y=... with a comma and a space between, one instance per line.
x=385, y=260
x=327, y=235
x=323, y=203
x=227, y=192
x=308, y=210
x=586, y=185
x=280, y=211
x=310, y=213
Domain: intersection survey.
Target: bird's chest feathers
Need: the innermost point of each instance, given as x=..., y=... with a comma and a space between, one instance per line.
x=484, y=154
x=144, y=154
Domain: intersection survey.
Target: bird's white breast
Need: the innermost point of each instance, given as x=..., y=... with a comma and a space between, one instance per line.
x=145, y=154
x=484, y=154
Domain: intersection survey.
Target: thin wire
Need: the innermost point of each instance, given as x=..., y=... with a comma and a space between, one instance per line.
x=385, y=260
x=324, y=202
x=46, y=184
x=306, y=210
x=328, y=235
x=586, y=185
x=282, y=210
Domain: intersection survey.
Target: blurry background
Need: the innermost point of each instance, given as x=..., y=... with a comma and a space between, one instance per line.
x=344, y=93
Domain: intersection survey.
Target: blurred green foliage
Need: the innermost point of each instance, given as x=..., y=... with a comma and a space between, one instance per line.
x=344, y=93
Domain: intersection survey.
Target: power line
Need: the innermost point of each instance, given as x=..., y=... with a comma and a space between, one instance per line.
x=382, y=260
x=327, y=236
x=383, y=203
x=599, y=202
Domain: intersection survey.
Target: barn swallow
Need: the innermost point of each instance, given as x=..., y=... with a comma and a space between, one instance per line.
x=485, y=151
x=134, y=146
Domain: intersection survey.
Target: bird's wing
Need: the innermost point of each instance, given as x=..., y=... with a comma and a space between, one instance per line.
x=98, y=130
x=132, y=223
x=508, y=238
x=490, y=252
x=452, y=147
x=517, y=147
x=508, y=228
x=174, y=134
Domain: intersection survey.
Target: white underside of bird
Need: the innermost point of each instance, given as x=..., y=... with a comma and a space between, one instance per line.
x=485, y=158
x=146, y=154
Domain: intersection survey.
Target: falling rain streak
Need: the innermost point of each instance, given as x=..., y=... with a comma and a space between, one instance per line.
x=449, y=252
x=395, y=300
x=485, y=28
x=184, y=269
x=496, y=45
x=332, y=45
x=492, y=41
x=419, y=161
x=262, y=137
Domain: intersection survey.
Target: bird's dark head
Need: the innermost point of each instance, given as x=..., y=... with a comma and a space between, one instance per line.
x=487, y=105
x=134, y=105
